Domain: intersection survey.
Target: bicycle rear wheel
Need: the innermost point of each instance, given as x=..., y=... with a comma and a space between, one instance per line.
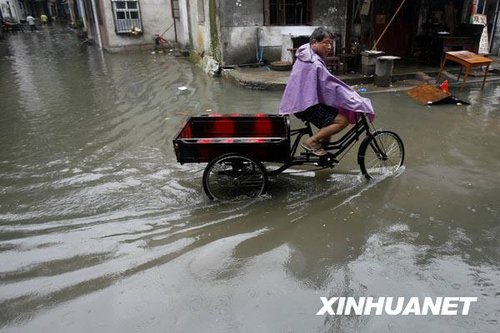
x=232, y=176
x=381, y=154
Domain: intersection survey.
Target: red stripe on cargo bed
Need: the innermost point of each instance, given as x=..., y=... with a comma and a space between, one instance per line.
x=263, y=126
x=223, y=127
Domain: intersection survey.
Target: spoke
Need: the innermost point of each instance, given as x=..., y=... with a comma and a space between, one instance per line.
x=383, y=155
x=235, y=176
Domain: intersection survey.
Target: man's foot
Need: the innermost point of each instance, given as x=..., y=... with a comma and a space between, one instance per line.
x=318, y=151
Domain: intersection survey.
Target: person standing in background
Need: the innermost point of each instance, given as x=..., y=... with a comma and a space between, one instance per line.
x=44, y=19
x=31, y=22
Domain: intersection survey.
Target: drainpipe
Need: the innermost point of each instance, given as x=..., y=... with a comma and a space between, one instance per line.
x=71, y=12
x=96, y=20
x=82, y=13
x=174, y=16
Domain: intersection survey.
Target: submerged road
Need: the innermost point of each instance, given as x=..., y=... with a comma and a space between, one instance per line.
x=102, y=230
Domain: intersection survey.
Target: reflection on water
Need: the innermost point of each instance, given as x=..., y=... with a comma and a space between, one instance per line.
x=101, y=228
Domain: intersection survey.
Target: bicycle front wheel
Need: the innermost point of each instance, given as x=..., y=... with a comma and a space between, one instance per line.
x=232, y=176
x=382, y=154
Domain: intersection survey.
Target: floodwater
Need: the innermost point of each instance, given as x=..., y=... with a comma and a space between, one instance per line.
x=101, y=230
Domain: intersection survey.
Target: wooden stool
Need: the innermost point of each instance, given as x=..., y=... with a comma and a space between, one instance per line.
x=468, y=60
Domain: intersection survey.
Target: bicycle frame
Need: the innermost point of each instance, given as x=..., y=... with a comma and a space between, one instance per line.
x=334, y=149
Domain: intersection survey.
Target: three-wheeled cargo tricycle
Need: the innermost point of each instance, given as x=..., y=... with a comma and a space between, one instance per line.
x=235, y=147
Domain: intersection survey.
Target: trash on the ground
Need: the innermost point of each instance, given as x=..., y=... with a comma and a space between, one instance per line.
x=182, y=88
x=444, y=86
x=427, y=94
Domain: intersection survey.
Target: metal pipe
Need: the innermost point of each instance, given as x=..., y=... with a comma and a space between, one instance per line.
x=96, y=20
x=82, y=13
x=174, y=17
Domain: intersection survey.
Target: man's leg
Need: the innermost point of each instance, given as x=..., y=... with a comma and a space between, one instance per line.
x=323, y=135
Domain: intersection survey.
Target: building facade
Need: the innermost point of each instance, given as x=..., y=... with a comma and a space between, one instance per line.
x=12, y=9
x=227, y=31
x=118, y=25
x=238, y=32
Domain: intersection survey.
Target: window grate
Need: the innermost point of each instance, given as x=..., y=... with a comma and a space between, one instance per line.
x=127, y=16
x=287, y=12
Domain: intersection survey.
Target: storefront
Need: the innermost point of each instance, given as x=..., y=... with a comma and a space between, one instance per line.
x=420, y=29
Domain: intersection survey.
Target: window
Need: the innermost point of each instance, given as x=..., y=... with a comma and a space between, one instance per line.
x=287, y=12
x=127, y=16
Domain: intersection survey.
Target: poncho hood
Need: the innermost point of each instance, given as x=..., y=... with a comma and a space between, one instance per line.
x=306, y=54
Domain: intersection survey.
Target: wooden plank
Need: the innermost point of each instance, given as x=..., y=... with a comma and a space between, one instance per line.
x=427, y=94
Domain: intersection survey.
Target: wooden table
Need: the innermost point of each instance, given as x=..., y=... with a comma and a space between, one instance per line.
x=468, y=60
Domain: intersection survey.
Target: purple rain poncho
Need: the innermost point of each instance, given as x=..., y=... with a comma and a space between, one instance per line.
x=311, y=83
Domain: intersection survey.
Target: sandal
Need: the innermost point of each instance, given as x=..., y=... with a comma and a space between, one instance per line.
x=318, y=151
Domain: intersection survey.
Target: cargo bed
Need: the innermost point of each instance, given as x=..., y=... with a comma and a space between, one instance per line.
x=263, y=137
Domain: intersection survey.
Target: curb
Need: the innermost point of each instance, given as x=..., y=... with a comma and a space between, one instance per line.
x=276, y=80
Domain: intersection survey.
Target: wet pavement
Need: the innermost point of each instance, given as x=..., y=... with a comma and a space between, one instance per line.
x=406, y=74
x=102, y=230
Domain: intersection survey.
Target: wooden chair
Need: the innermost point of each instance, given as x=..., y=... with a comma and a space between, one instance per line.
x=350, y=56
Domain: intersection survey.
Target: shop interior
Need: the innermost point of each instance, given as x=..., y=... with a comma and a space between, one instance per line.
x=394, y=27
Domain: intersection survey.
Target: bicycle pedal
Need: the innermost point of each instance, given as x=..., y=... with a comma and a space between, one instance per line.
x=327, y=160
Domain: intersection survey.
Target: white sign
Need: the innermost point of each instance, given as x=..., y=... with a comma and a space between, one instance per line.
x=392, y=306
x=483, y=42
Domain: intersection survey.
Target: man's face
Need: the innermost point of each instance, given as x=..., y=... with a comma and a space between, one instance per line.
x=322, y=48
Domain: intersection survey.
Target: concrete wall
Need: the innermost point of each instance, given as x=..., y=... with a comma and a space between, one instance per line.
x=199, y=26
x=15, y=12
x=182, y=24
x=240, y=19
x=205, y=34
x=156, y=18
